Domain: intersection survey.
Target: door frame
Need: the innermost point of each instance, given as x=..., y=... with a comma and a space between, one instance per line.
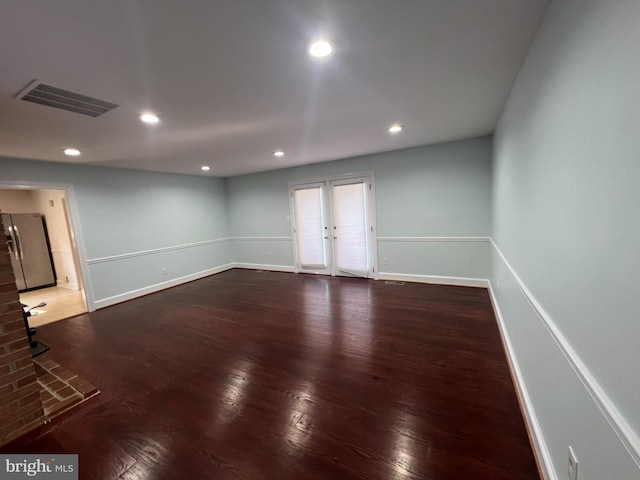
x=74, y=225
x=371, y=207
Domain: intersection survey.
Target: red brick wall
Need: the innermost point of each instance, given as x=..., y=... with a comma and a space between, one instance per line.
x=20, y=404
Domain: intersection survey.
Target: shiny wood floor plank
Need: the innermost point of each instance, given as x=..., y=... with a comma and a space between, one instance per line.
x=249, y=375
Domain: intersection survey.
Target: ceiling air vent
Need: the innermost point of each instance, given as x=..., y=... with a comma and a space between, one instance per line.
x=38, y=92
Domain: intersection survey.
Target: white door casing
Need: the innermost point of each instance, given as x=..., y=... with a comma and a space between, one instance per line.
x=333, y=225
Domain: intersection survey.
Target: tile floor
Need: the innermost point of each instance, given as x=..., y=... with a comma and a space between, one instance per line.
x=61, y=303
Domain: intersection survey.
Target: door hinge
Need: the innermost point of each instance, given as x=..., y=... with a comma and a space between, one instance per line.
x=369, y=186
x=372, y=228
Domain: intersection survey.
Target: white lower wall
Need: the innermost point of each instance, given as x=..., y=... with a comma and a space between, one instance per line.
x=123, y=277
x=272, y=251
x=447, y=260
x=565, y=405
x=461, y=257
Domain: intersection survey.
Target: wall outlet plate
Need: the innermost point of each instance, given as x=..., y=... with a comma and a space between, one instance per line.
x=572, y=470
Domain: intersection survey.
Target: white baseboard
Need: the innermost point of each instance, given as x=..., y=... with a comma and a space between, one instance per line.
x=70, y=286
x=622, y=429
x=123, y=297
x=262, y=266
x=435, y=279
x=541, y=451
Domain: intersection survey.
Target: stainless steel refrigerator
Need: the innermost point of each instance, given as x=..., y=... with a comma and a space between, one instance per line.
x=29, y=249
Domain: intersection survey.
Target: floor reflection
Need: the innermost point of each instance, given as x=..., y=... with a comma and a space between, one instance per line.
x=339, y=319
x=274, y=375
x=233, y=397
x=406, y=451
x=300, y=426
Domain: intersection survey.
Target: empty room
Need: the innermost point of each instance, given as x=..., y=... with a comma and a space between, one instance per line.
x=319, y=239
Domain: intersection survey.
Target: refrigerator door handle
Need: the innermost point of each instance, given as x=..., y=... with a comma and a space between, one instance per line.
x=18, y=243
x=13, y=249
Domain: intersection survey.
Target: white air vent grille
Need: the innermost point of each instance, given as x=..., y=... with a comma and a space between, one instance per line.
x=38, y=92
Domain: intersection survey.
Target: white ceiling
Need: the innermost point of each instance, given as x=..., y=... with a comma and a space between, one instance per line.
x=232, y=82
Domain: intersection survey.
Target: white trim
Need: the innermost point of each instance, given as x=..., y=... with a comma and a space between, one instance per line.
x=434, y=239
x=74, y=227
x=435, y=279
x=70, y=285
x=265, y=239
x=123, y=297
x=328, y=178
x=535, y=431
x=262, y=266
x=325, y=183
x=619, y=424
x=153, y=251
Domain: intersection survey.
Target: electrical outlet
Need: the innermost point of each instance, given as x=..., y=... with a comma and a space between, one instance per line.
x=165, y=271
x=385, y=261
x=572, y=471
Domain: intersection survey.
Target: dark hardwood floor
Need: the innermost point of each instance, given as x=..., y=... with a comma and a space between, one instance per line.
x=249, y=375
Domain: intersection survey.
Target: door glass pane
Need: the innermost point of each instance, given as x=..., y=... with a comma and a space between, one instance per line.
x=309, y=227
x=351, y=230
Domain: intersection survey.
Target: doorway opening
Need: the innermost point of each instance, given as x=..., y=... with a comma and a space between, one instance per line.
x=333, y=225
x=44, y=253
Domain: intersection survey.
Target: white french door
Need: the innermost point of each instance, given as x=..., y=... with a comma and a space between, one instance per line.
x=310, y=222
x=333, y=228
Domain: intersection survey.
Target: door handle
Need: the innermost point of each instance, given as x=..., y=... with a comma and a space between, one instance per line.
x=335, y=237
x=11, y=242
x=326, y=236
x=18, y=243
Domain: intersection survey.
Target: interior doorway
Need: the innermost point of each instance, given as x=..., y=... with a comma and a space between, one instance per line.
x=333, y=226
x=64, y=290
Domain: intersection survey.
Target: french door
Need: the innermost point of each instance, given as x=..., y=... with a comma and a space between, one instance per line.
x=333, y=226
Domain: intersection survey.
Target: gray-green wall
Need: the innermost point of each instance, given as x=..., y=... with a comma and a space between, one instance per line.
x=433, y=212
x=433, y=209
x=563, y=217
x=565, y=212
x=135, y=223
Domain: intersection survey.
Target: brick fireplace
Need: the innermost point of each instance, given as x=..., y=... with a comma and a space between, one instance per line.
x=20, y=402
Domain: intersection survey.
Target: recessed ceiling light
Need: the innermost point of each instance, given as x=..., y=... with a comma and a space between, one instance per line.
x=205, y=168
x=397, y=128
x=72, y=152
x=320, y=48
x=278, y=153
x=149, y=118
